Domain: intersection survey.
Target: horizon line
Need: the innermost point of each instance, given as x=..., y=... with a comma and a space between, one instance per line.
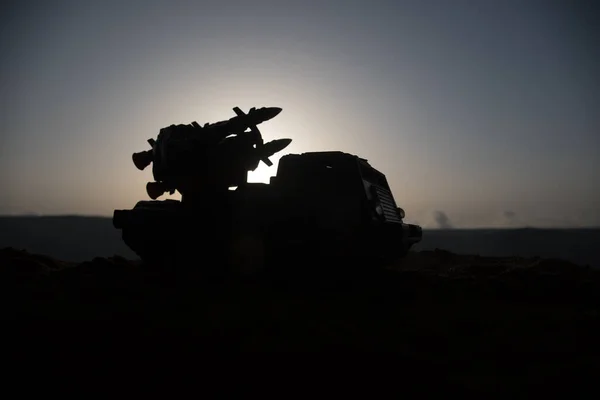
x=91, y=216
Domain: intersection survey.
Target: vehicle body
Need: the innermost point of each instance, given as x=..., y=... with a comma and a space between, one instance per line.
x=319, y=206
x=335, y=204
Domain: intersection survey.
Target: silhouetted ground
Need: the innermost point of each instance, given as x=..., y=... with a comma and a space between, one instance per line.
x=466, y=323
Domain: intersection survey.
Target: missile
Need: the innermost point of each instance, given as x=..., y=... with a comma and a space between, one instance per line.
x=236, y=125
x=254, y=117
x=142, y=159
x=272, y=147
x=257, y=116
x=268, y=149
x=155, y=189
x=242, y=121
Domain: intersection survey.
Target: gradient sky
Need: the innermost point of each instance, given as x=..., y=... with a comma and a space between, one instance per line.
x=480, y=113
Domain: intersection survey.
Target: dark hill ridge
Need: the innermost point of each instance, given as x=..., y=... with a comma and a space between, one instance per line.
x=69, y=238
x=78, y=238
x=467, y=323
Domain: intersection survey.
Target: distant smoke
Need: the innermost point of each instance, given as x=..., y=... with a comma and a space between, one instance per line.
x=442, y=220
x=509, y=214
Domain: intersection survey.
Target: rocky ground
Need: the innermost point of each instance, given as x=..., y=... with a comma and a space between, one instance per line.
x=465, y=322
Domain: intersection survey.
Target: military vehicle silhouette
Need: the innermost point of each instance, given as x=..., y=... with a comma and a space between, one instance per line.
x=327, y=205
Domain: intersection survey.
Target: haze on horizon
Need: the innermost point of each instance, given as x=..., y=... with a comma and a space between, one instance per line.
x=480, y=113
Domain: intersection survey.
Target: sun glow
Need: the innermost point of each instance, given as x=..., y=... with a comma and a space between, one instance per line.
x=263, y=173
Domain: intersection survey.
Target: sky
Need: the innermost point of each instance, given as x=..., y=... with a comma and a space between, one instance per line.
x=480, y=113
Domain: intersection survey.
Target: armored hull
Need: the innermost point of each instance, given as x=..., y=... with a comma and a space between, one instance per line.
x=325, y=209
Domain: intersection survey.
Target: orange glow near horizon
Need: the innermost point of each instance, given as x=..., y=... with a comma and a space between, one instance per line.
x=485, y=125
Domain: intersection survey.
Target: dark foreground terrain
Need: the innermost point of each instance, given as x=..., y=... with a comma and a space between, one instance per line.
x=455, y=323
